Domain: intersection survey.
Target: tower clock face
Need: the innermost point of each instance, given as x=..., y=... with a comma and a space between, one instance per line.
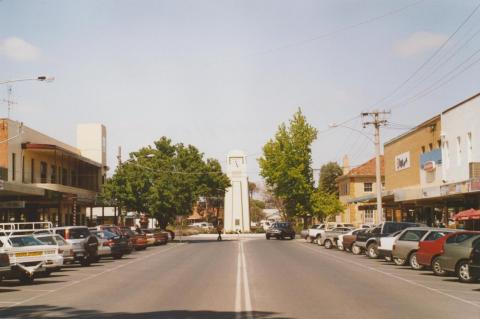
x=236, y=162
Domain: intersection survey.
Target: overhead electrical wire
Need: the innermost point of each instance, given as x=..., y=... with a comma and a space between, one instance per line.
x=429, y=59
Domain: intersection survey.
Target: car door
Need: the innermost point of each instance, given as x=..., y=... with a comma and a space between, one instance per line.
x=407, y=242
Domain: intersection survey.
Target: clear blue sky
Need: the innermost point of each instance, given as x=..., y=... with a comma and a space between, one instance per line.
x=224, y=74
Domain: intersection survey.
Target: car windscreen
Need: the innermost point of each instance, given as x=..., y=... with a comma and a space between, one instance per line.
x=25, y=241
x=393, y=227
x=48, y=240
x=60, y=240
x=128, y=231
x=108, y=234
x=78, y=233
x=282, y=225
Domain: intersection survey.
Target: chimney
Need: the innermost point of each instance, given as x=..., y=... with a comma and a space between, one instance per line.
x=346, y=165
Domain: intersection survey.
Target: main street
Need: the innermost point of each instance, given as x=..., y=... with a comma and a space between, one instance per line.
x=246, y=277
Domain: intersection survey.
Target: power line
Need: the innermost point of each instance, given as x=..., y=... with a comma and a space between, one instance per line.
x=409, y=78
x=339, y=30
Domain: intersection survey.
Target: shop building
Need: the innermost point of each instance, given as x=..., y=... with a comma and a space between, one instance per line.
x=43, y=179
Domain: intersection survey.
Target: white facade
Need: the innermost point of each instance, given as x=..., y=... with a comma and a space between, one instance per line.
x=92, y=142
x=460, y=140
x=237, y=211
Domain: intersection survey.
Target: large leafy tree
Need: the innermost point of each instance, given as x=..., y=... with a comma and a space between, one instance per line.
x=328, y=177
x=165, y=181
x=286, y=166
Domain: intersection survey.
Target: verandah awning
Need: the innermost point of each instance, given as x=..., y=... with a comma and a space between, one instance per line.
x=467, y=215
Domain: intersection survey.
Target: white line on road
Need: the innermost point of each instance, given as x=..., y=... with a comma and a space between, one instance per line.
x=414, y=283
x=242, y=280
x=89, y=277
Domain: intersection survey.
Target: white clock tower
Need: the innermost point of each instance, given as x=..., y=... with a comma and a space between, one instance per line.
x=237, y=211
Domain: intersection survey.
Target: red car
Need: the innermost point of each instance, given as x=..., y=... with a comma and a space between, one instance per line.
x=430, y=249
x=139, y=241
x=160, y=236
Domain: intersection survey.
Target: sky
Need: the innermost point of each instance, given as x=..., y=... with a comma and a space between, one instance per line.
x=224, y=74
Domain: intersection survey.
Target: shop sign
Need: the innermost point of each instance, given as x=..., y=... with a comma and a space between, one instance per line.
x=429, y=166
x=402, y=161
x=456, y=188
x=13, y=204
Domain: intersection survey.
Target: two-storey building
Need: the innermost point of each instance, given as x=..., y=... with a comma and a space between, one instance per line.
x=356, y=187
x=43, y=179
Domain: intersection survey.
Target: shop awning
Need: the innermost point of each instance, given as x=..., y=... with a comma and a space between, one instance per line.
x=49, y=147
x=467, y=215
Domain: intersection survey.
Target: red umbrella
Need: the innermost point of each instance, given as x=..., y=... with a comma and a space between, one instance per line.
x=467, y=215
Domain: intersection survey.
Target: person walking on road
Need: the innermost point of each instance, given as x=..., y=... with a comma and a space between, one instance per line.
x=219, y=231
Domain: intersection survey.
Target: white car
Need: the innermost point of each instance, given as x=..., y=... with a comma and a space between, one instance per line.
x=386, y=245
x=64, y=248
x=203, y=225
x=29, y=256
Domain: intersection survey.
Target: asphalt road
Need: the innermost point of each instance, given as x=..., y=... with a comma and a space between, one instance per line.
x=246, y=278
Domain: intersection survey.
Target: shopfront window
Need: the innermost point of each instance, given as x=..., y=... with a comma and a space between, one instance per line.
x=43, y=172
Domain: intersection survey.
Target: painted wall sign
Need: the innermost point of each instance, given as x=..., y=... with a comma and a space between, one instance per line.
x=402, y=161
x=429, y=166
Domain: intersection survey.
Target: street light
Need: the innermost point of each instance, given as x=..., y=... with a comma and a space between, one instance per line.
x=41, y=78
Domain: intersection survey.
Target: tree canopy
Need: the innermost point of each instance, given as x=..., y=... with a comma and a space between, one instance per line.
x=328, y=175
x=286, y=166
x=166, y=180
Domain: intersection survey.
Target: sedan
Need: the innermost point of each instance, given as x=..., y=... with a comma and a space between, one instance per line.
x=280, y=231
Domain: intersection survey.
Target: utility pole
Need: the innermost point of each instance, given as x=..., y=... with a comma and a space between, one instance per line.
x=377, y=119
x=119, y=156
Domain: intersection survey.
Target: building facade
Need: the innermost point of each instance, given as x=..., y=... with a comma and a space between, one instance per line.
x=356, y=186
x=43, y=179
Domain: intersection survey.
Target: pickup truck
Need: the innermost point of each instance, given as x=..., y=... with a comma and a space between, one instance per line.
x=369, y=241
x=330, y=238
x=316, y=233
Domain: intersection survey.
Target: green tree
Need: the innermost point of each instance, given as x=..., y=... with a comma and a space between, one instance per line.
x=328, y=175
x=326, y=205
x=286, y=166
x=165, y=181
x=256, y=210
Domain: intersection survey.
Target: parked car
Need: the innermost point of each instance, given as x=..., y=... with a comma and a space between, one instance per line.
x=139, y=241
x=431, y=248
x=456, y=253
x=331, y=237
x=118, y=231
x=158, y=236
x=28, y=256
x=314, y=232
x=84, y=245
x=474, y=263
x=203, y=225
x=280, y=230
x=349, y=239
x=370, y=240
x=112, y=245
x=406, y=246
x=386, y=245
x=64, y=248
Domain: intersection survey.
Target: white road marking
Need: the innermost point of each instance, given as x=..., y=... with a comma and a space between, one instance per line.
x=89, y=277
x=344, y=260
x=242, y=280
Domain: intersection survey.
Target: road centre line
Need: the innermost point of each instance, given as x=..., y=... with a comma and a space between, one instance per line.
x=89, y=277
x=395, y=276
x=242, y=280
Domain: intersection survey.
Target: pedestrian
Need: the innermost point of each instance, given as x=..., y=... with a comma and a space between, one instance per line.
x=219, y=231
x=137, y=229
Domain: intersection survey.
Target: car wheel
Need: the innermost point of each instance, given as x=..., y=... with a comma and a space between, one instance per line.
x=328, y=244
x=26, y=278
x=281, y=237
x=437, y=268
x=292, y=237
x=356, y=250
x=117, y=256
x=372, y=251
x=85, y=262
x=463, y=272
x=268, y=237
x=414, y=262
x=399, y=261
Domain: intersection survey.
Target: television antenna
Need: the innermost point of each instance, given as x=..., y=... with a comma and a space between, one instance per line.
x=9, y=100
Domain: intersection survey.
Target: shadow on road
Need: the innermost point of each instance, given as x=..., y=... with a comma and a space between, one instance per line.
x=17, y=283
x=45, y=311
